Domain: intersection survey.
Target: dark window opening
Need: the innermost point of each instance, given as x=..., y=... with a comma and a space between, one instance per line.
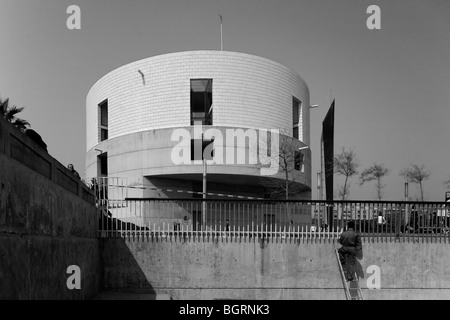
x=295, y=132
x=298, y=158
x=103, y=114
x=198, y=147
x=103, y=134
x=103, y=164
x=295, y=116
x=201, y=101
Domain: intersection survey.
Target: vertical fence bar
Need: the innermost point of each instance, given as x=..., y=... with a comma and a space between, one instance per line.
x=248, y=220
x=428, y=231
x=406, y=221
x=261, y=234
x=420, y=217
x=369, y=218
x=426, y=223
x=432, y=224
x=416, y=222
x=234, y=221
x=234, y=227
x=215, y=217
x=434, y=229
x=220, y=218
x=438, y=225
x=446, y=222
x=278, y=220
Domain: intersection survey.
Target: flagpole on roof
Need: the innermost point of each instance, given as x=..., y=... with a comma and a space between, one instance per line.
x=221, y=34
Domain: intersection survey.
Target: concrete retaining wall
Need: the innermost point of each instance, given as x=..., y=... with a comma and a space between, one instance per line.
x=255, y=270
x=48, y=222
x=408, y=270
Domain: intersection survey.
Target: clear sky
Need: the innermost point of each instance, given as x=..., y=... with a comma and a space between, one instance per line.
x=392, y=86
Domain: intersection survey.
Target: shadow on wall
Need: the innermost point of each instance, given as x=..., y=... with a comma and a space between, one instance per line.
x=359, y=270
x=123, y=278
x=182, y=188
x=162, y=184
x=109, y=224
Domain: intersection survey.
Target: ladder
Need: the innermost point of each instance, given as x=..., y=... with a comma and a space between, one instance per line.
x=352, y=289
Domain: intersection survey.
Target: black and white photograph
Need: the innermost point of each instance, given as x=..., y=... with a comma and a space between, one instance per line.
x=227, y=154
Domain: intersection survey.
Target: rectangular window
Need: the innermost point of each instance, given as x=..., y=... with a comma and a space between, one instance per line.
x=295, y=117
x=103, y=117
x=298, y=158
x=295, y=131
x=103, y=164
x=201, y=101
x=103, y=134
x=104, y=113
x=198, y=149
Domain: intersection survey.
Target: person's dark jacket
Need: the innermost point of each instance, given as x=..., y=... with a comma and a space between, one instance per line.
x=351, y=241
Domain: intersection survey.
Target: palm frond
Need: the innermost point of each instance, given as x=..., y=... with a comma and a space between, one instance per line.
x=12, y=112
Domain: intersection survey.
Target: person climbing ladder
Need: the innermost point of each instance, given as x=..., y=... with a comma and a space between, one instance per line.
x=351, y=247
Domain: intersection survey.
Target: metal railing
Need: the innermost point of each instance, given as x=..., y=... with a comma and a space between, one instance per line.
x=272, y=220
x=108, y=188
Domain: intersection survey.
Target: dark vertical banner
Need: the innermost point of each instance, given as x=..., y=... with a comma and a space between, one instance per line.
x=327, y=146
x=328, y=151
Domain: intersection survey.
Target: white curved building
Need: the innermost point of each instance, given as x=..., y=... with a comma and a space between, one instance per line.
x=140, y=125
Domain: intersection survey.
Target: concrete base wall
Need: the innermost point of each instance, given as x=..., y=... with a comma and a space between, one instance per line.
x=35, y=267
x=149, y=154
x=254, y=270
x=219, y=270
x=45, y=226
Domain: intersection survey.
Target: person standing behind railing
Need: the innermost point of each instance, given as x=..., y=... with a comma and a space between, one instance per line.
x=381, y=221
x=351, y=248
x=72, y=169
x=94, y=186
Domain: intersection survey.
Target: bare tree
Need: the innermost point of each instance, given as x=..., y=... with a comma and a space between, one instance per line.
x=346, y=164
x=290, y=165
x=375, y=172
x=416, y=174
